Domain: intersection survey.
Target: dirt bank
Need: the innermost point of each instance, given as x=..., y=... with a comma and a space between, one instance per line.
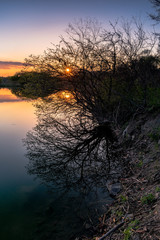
x=135, y=213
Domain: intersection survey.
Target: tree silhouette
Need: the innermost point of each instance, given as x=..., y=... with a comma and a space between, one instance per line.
x=94, y=57
x=102, y=73
x=70, y=152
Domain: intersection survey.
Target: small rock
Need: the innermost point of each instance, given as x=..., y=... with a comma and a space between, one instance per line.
x=133, y=137
x=114, y=189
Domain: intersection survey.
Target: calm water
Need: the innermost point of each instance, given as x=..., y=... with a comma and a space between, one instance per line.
x=27, y=209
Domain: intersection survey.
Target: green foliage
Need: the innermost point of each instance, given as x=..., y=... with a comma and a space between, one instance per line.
x=153, y=97
x=127, y=234
x=148, y=199
x=140, y=164
x=123, y=198
x=157, y=189
x=119, y=213
x=128, y=231
x=136, y=85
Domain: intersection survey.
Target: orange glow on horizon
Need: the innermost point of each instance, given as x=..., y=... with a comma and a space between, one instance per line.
x=12, y=70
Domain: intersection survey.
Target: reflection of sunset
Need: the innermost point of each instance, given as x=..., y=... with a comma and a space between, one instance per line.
x=16, y=111
x=20, y=113
x=6, y=95
x=66, y=94
x=5, y=91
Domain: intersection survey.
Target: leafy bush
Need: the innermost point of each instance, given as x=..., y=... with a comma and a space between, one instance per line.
x=148, y=199
x=129, y=229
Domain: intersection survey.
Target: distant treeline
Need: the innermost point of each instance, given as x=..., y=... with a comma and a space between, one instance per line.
x=7, y=82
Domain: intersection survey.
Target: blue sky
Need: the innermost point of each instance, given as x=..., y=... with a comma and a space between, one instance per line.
x=29, y=26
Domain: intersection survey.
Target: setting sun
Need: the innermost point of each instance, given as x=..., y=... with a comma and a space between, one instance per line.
x=68, y=70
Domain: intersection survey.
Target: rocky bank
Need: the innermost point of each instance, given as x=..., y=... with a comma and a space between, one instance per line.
x=135, y=213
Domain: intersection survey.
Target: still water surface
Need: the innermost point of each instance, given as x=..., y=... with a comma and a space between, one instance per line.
x=27, y=209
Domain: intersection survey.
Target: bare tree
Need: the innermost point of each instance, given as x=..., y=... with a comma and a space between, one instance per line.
x=101, y=71
x=93, y=57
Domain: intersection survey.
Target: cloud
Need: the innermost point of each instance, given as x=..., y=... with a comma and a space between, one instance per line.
x=8, y=65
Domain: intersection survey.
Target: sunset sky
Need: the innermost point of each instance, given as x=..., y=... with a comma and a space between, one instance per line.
x=29, y=26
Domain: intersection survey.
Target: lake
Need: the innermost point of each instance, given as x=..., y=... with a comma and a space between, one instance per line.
x=28, y=209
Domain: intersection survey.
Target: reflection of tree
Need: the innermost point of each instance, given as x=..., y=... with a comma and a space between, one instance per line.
x=69, y=148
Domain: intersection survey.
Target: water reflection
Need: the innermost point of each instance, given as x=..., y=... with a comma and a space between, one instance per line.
x=66, y=152
x=7, y=96
x=67, y=149
x=17, y=117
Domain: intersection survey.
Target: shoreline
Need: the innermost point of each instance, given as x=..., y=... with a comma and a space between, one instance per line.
x=137, y=205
